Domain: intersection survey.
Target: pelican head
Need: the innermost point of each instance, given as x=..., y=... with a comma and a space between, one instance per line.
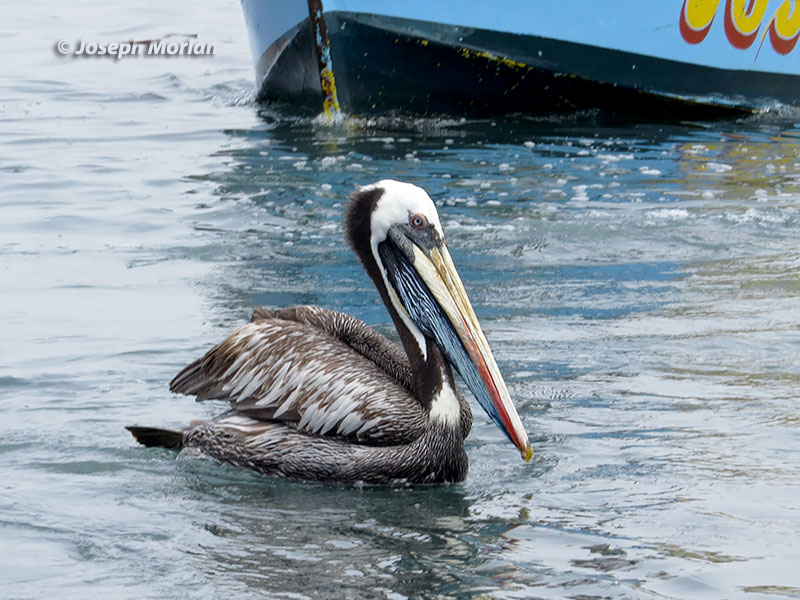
x=395, y=230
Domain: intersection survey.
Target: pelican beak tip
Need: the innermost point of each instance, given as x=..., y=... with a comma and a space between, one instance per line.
x=527, y=454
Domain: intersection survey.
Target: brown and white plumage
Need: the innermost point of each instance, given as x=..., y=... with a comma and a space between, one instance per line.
x=326, y=373
x=319, y=395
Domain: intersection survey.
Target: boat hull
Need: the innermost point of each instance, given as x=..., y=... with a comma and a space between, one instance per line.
x=385, y=63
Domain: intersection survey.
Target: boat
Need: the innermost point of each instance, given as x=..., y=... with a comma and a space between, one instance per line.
x=480, y=59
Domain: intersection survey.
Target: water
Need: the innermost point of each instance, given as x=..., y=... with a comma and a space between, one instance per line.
x=638, y=282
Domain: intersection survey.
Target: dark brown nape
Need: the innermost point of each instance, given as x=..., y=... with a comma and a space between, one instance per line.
x=358, y=231
x=358, y=215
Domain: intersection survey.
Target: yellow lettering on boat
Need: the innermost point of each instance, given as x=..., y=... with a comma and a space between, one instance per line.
x=700, y=13
x=742, y=20
x=696, y=19
x=784, y=28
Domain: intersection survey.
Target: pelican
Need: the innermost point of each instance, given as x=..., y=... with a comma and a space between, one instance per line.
x=319, y=395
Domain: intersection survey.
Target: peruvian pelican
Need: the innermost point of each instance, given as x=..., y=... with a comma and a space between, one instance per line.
x=319, y=395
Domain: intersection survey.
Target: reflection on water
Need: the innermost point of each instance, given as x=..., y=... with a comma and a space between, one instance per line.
x=293, y=537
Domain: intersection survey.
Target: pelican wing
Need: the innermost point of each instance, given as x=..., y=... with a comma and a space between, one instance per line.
x=352, y=331
x=292, y=371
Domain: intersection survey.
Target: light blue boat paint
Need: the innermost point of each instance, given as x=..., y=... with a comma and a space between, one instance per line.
x=645, y=27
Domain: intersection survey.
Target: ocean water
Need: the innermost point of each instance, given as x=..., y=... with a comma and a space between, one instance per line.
x=638, y=282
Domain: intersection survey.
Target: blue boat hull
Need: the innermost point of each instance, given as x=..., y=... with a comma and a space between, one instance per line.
x=431, y=67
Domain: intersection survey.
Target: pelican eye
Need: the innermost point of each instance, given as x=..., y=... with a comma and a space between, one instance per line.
x=417, y=221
